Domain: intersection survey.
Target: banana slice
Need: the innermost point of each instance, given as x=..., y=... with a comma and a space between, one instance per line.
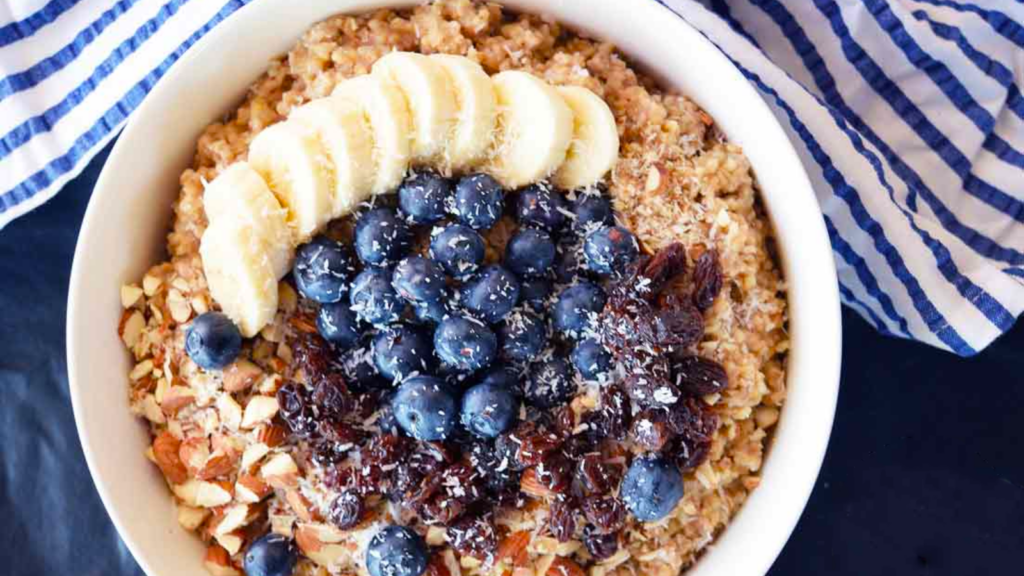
x=346, y=136
x=534, y=129
x=239, y=274
x=595, y=141
x=389, y=119
x=477, y=107
x=290, y=157
x=429, y=96
x=239, y=194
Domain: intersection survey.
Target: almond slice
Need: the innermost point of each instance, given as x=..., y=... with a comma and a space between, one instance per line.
x=130, y=329
x=260, y=409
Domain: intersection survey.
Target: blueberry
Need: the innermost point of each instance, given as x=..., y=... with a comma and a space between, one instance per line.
x=530, y=252
x=491, y=294
x=534, y=292
x=458, y=249
x=465, y=344
x=592, y=360
x=382, y=237
x=610, y=250
x=424, y=197
x=213, y=341
x=401, y=350
x=432, y=312
x=338, y=324
x=489, y=409
x=425, y=408
x=359, y=370
x=501, y=376
x=567, y=262
x=373, y=298
x=323, y=268
x=549, y=383
x=592, y=209
x=418, y=280
x=396, y=551
x=577, y=307
x=652, y=488
x=270, y=555
x=538, y=205
x=522, y=336
x=478, y=201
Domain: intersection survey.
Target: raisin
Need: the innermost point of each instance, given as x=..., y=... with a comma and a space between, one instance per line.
x=346, y=510
x=565, y=421
x=555, y=472
x=611, y=419
x=331, y=396
x=679, y=324
x=688, y=453
x=600, y=546
x=531, y=445
x=386, y=449
x=562, y=520
x=294, y=409
x=651, y=430
x=326, y=454
x=699, y=376
x=314, y=355
x=474, y=535
x=606, y=514
x=692, y=419
x=343, y=436
x=707, y=280
x=666, y=265
x=441, y=511
x=651, y=390
x=593, y=477
x=461, y=482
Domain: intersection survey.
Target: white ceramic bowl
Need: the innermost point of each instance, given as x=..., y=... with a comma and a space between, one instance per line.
x=129, y=215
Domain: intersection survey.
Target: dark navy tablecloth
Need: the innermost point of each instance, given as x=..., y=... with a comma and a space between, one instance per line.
x=924, y=474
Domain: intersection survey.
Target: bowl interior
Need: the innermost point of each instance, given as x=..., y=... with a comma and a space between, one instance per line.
x=129, y=215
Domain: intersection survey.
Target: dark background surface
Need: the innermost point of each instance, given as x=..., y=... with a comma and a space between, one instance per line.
x=924, y=473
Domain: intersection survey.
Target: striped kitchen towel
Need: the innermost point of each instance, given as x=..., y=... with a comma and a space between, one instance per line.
x=907, y=113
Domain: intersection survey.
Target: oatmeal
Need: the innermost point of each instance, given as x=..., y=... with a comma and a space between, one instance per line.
x=631, y=360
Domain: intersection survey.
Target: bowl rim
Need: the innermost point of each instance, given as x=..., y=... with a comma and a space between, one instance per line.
x=817, y=275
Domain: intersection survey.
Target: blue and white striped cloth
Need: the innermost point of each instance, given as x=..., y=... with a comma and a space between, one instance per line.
x=907, y=113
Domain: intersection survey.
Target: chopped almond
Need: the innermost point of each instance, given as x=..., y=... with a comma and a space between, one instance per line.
x=194, y=452
x=528, y=483
x=234, y=517
x=253, y=454
x=241, y=375
x=300, y=505
x=190, y=517
x=281, y=471
x=232, y=542
x=272, y=435
x=230, y=412
x=176, y=398
x=251, y=489
x=562, y=566
x=260, y=409
x=211, y=494
x=513, y=548
x=165, y=453
x=217, y=465
x=218, y=562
